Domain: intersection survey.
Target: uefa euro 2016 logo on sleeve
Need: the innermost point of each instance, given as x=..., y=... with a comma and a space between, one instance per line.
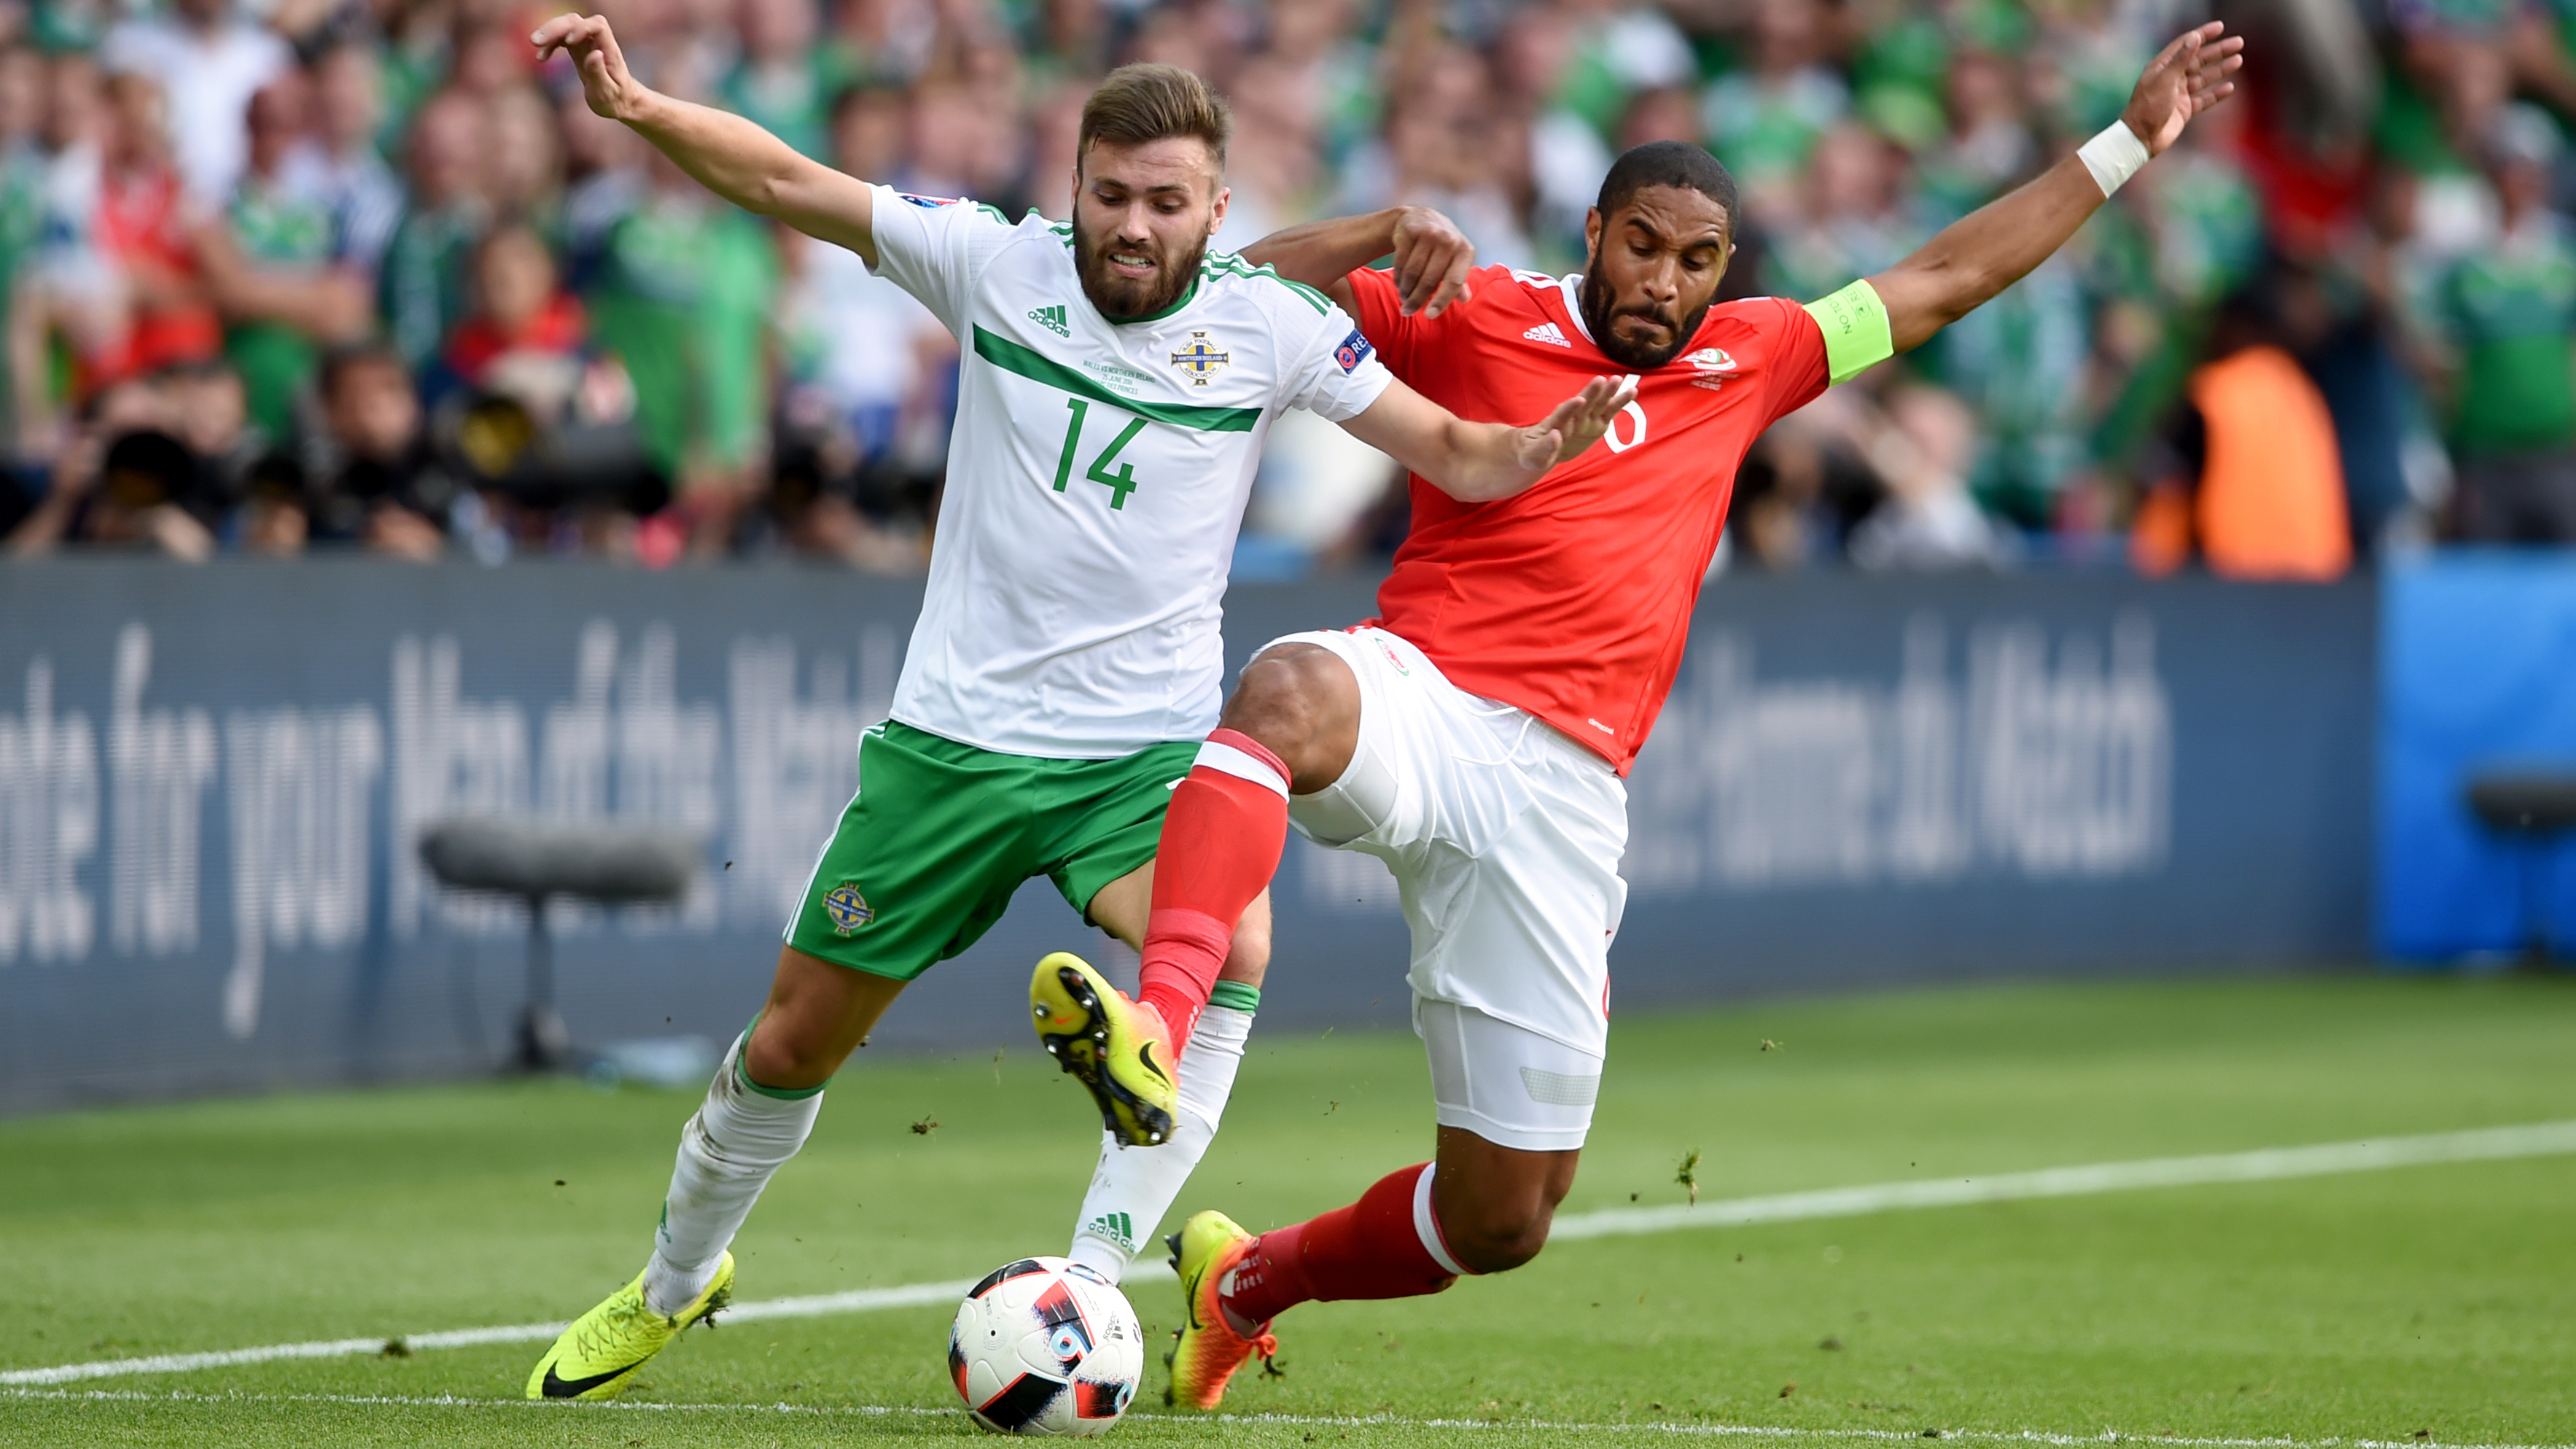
x=848, y=909
x=1353, y=351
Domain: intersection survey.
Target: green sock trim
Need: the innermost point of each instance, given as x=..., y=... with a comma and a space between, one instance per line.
x=1236, y=995
x=742, y=1073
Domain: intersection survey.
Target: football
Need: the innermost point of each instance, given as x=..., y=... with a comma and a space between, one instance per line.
x=1043, y=1346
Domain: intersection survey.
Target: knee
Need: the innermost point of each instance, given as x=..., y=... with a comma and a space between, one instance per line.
x=1300, y=702
x=1248, y=959
x=1278, y=694
x=1499, y=1241
x=778, y=1055
x=1494, y=1215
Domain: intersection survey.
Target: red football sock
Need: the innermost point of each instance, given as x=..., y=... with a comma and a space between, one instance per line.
x=1221, y=841
x=1375, y=1248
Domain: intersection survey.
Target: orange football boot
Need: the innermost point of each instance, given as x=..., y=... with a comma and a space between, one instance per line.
x=1206, y=1350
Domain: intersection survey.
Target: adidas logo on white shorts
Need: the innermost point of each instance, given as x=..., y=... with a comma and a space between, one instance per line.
x=1547, y=332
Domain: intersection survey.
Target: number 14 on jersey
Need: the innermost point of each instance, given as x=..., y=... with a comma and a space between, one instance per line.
x=1120, y=483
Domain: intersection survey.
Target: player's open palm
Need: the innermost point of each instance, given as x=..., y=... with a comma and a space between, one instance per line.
x=1576, y=424
x=2186, y=78
x=605, y=82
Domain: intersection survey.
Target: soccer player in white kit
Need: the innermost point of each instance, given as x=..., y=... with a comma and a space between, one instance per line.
x=1117, y=381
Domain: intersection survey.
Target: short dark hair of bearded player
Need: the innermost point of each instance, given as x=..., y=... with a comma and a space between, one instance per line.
x=1149, y=101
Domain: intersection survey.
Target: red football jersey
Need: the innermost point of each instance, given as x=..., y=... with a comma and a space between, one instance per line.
x=1573, y=600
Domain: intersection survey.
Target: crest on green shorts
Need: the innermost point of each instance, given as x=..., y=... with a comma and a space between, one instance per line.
x=848, y=909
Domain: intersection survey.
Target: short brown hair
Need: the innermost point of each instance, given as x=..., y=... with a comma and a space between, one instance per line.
x=1150, y=101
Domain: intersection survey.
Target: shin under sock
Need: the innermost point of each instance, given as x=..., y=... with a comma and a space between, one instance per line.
x=740, y=1136
x=1135, y=1187
x=1222, y=837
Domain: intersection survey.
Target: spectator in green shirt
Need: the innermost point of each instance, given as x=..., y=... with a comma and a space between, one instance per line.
x=275, y=270
x=682, y=297
x=423, y=281
x=781, y=80
x=2510, y=310
x=1766, y=118
x=22, y=189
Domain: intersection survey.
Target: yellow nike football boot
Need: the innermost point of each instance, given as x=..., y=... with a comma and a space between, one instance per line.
x=1206, y=1350
x=595, y=1355
x=1114, y=1046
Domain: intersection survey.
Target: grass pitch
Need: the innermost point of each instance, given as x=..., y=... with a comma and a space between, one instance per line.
x=2419, y=1304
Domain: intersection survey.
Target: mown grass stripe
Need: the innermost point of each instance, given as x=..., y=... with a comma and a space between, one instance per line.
x=2270, y=1164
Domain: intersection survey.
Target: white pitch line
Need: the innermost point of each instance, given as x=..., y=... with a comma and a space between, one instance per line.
x=2107, y=1437
x=861, y=1300
x=2270, y=1164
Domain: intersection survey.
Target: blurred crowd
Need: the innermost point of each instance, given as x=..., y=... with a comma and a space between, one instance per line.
x=293, y=274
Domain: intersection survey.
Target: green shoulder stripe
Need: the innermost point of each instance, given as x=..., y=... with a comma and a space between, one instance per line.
x=1231, y=264
x=1012, y=357
x=1314, y=298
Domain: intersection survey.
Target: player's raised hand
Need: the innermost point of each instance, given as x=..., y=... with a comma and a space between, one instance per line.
x=1576, y=424
x=606, y=84
x=2186, y=78
x=1481, y=462
x=1432, y=259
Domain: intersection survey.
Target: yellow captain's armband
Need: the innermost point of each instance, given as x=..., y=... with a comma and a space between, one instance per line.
x=1856, y=335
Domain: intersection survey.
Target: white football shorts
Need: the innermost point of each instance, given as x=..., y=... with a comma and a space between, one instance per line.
x=1504, y=837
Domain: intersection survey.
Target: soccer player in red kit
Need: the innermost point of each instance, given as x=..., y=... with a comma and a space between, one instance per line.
x=1476, y=734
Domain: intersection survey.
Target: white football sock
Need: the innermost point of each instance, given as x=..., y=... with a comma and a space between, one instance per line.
x=1135, y=1186
x=742, y=1135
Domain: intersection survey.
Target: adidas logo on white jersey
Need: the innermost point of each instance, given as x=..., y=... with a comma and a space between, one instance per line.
x=1548, y=332
x=1052, y=319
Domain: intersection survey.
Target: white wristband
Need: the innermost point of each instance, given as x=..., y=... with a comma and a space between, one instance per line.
x=2113, y=156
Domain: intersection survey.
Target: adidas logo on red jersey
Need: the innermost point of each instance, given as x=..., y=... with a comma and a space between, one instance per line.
x=1549, y=333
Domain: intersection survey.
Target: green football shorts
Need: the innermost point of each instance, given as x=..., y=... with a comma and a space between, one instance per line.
x=941, y=835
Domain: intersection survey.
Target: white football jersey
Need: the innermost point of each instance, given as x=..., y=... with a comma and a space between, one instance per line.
x=1096, y=478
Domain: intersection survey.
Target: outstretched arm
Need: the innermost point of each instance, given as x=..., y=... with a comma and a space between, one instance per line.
x=730, y=156
x=1480, y=462
x=1997, y=244
x=1432, y=257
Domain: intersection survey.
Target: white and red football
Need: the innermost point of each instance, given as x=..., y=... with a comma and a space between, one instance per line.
x=1045, y=1346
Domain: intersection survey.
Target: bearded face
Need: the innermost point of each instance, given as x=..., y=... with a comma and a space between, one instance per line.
x=1652, y=273
x=1142, y=216
x=1128, y=275
x=1640, y=334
